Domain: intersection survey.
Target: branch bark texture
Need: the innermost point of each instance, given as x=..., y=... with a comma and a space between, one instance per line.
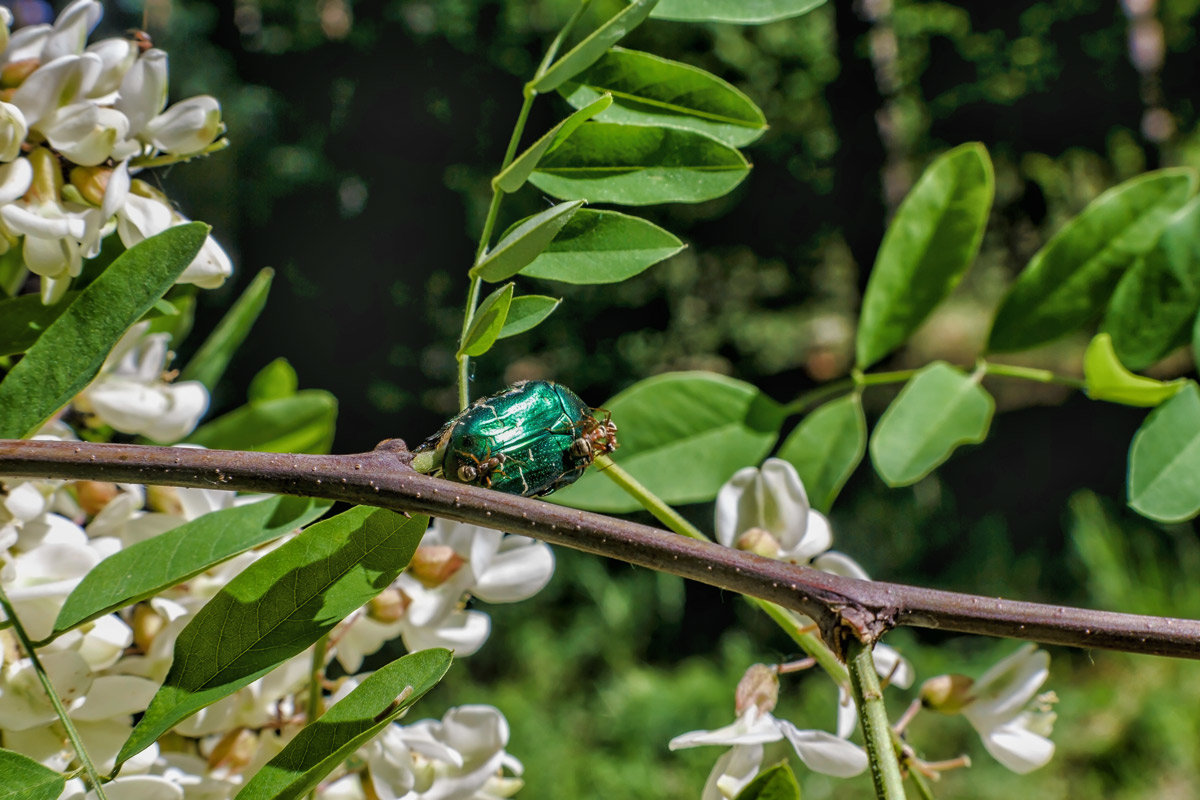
x=844, y=608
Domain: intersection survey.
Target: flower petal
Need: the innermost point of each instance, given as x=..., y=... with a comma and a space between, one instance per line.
x=1018, y=748
x=825, y=753
x=519, y=571
x=733, y=772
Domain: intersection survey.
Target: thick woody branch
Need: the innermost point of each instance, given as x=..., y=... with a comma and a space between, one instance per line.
x=843, y=607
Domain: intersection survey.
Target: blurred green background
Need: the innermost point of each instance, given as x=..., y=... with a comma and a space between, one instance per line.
x=363, y=138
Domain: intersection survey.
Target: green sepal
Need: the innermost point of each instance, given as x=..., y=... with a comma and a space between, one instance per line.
x=1105, y=378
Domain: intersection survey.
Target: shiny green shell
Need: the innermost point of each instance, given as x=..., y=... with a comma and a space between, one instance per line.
x=532, y=425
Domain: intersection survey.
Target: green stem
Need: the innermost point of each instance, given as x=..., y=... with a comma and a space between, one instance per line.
x=1031, y=374
x=872, y=715
x=918, y=780
x=809, y=642
x=55, y=701
x=650, y=501
x=879, y=378
x=814, y=397
x=167, y=159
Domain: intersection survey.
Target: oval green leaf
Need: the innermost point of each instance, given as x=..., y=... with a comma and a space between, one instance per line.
x=275, y=381
x=1164, y=460
x=513, y=176
x=1105, y=378
x=487, y=322
x=774, y=783
x=939, y=409
x=276, y=608
x=928, y=247
x=72, y=349
x=26, y=779
x=523, y=243
x=1069, y=281
x=636, y=166
x=526, y=312
x=350, y=723
x=584, y=54
x=683, y=435
x=146, y=568
x=826, y=448
x=740, y=12
x=210, y=361
x=23, y=319
x=603, y=247
x=302, y=423
x=1153, y=306
x=649, y=90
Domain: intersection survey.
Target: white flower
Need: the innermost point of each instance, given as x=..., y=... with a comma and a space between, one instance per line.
x=186, y=127
x=819, y=751
x=84, y=132
x=12, y=132
x=1006, y=714
x=143, y=92
x=456, y=757
x=146, y=213
x=130, y=394
x=766, y=510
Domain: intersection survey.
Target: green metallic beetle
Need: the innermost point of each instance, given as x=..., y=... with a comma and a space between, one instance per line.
x=530, y=439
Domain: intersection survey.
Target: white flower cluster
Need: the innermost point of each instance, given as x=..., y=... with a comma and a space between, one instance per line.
x=767, y=511
x=76, y=122
x=53, y=532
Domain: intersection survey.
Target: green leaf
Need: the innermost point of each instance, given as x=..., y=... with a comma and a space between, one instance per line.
x=1153, y=306
x=1069, y=280
x=682, y=434
x=826, y=448
x=584, y=54
x=603, y=247
x=1164, y=460
x=513, y=176
x=72, y=349
x=927, y=249
x=775, y=783
x=23, y=319
x=522, y=243
x=939, y=409
x=147, y=567
x=350, y=723
x=1105, y=378
x=273, y=382
x=638, y=166
x=302, y=423
x=742, y=12
x=488, y=322
x=649, y=90
x=26, y=779
x=276, y=608
x=210, y=361
x=527, y=312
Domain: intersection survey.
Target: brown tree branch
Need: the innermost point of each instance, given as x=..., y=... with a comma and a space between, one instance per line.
x=841, y=606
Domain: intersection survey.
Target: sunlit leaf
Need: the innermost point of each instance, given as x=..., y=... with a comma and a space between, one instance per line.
x=649, y=90
x=1068, y=282
x=927, y=249
x=350, y=723
x=1153, y=306
x=1164, y=460
x=488, y=322
x=277, y=607
x=682, y=434
x=636, y=165
x=527, y=312
x=23, y=319
x=301, y=423
x=26, y=779
x=524, y=242
x=273, y=382
x=584, y=54
x=826, y=448
x=1105, y=378
x=72, y=349
x=210, y=361
x=513, y=176
x=774, y=783
x=600, y=246
x=743, y=12
x=939, y=409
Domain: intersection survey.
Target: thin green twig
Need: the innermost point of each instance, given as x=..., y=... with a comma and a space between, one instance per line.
x=872, y=715
x=59, y=709
x=649, y=500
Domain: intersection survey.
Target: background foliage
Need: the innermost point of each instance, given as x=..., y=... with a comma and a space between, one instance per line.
x=364, y=136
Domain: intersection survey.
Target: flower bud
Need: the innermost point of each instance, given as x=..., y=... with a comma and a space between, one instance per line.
x=948, y=694
x=757, y=540
x=435, y=565
x=187, y=127
x=759, y=687
x=91, y=182
x=14, y=73
x=164, y=499
x=234, y=751
x=388, y=606
x=147, y=624
x=93, y=496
